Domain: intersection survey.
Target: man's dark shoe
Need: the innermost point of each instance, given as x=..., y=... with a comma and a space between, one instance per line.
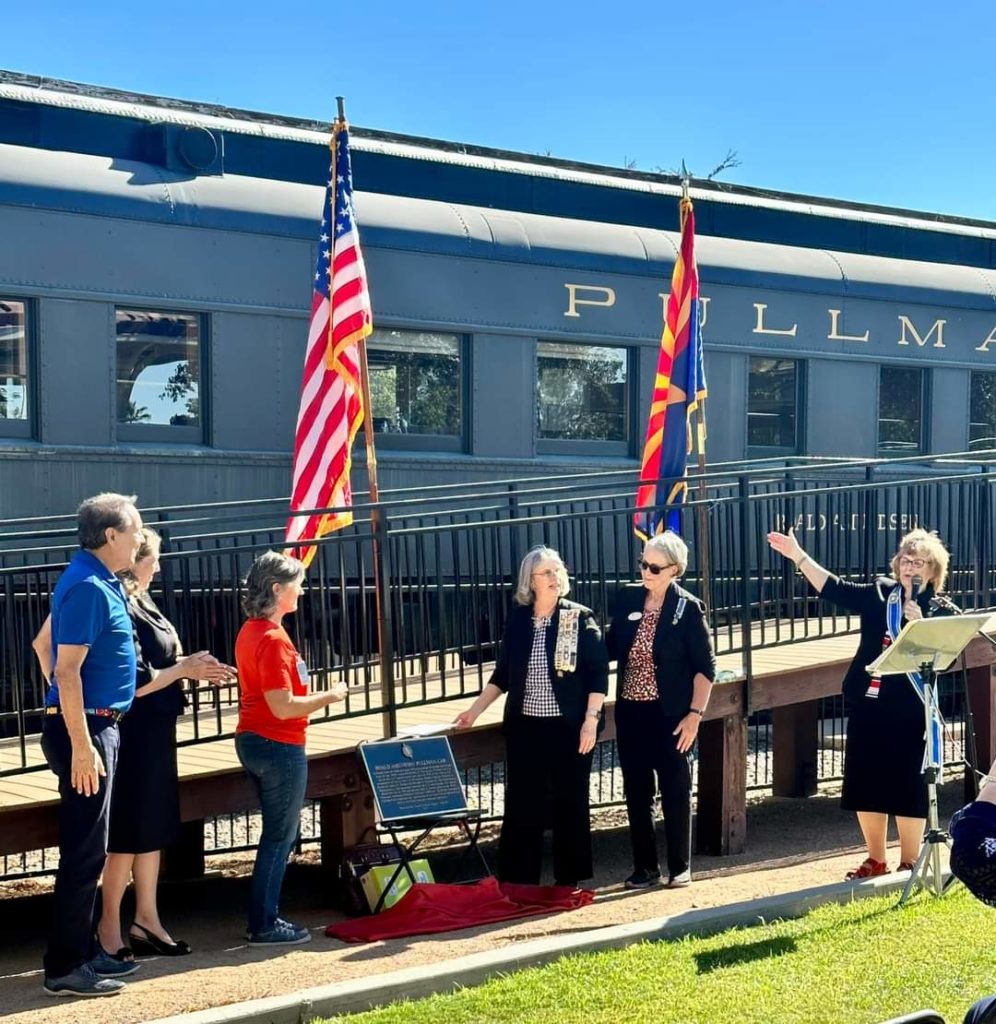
x=104, y=965
x=82, y=982
x=643, y=879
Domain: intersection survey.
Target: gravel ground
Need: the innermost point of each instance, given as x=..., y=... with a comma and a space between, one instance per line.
x=792, y=845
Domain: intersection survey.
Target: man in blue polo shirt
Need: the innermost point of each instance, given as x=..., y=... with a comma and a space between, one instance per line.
x=93, y=684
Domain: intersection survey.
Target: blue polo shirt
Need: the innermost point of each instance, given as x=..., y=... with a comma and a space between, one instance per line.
x=90, y=608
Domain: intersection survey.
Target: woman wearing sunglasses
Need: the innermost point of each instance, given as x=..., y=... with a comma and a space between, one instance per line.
x=660, y=640
x=884, y=746
x=553, y=667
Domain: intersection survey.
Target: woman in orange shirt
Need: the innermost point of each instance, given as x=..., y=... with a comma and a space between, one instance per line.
x=274, y=705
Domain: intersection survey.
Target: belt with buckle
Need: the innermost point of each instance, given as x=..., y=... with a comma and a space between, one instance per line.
x=113, y=713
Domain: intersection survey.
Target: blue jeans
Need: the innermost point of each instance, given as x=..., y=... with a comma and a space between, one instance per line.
x=280, y=773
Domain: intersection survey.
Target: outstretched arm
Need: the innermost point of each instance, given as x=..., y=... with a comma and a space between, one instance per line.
x=786, y=544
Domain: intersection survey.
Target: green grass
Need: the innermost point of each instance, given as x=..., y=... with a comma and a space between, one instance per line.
x=861, y=962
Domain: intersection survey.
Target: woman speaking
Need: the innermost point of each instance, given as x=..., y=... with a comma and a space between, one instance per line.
x=884, y=747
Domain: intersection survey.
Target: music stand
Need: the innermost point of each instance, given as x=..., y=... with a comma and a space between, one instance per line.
x=928, y=647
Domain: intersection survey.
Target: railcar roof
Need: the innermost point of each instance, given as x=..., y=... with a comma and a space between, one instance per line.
x=32, y=89
x=104, y=187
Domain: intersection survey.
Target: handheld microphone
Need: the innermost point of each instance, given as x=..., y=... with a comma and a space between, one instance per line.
x=915, y=585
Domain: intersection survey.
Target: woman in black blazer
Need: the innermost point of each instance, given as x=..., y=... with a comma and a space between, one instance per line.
x=553, y=667
x=660, y=639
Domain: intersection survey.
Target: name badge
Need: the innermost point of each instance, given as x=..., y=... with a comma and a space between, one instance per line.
x=302, y=672
x=635, y=616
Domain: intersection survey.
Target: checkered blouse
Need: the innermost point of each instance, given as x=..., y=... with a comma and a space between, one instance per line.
x=539, y=701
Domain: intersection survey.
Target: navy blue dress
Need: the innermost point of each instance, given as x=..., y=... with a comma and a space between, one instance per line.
x=145, y=800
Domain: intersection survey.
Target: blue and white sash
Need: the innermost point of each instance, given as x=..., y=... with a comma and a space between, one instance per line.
x=933, y=750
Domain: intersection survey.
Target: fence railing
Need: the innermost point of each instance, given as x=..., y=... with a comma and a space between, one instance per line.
x=447, y=565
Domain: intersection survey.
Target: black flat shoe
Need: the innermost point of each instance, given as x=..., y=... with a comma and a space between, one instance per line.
x=149, y=944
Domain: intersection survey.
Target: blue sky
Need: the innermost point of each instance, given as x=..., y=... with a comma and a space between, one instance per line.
x=881, y=101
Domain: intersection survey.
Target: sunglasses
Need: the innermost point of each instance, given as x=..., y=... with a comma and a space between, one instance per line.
x=654, y=570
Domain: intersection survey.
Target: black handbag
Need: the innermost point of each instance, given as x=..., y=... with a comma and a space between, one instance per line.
x=357, y=860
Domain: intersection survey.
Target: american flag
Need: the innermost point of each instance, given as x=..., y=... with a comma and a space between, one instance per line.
x=331, y=409
x=679, y=389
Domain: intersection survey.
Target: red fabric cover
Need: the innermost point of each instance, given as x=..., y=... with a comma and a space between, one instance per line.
x=430, y=907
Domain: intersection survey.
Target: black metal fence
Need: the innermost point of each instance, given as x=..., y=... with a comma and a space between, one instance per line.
x=447, y=562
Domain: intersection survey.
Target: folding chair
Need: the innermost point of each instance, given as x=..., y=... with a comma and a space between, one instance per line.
x=417, y=788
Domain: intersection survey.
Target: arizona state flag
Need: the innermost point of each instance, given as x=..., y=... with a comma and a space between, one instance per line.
x=679, y=387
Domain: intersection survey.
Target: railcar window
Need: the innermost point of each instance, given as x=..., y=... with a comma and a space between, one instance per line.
x=582, y=392
x=772, y=403
x=900, y=410
x=416, y=383
x=982, y=420
x=14, y=383
x=158, y=369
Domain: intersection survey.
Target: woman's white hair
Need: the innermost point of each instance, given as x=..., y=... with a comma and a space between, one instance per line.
x=672, y=547
x=524, y=588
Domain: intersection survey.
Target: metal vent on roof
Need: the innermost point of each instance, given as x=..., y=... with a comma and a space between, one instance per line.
x=187, y=148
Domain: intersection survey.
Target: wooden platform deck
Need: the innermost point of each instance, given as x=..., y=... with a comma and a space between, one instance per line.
x=788, y=679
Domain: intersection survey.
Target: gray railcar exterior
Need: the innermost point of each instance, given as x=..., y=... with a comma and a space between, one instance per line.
x=87, y=234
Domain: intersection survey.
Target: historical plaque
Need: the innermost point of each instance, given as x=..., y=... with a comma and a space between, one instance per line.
x=413, y=778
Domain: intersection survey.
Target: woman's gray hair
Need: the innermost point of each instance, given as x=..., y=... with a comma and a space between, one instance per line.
x=103, y=512
x=258, y=599
x=672, y=547
x=524, y=588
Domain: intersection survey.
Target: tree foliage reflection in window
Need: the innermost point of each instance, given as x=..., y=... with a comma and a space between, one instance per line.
x=415, y=382
x=13, y=361
x=900, y=410
x=158, y=368
x=581, y=392
x=982, y=420
x=772, y=392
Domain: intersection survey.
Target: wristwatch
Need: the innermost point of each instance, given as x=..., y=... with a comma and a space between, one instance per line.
x=696, y=711
x=595, y=713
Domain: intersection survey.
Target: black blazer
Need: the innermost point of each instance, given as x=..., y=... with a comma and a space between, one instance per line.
x=871, y=602
x=571, y=689
x=681, y=649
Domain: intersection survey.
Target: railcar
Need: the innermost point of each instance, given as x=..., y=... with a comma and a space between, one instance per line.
x=155, y=283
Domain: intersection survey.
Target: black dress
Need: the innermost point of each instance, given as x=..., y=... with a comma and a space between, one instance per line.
x=884, y=748
x=145, y=800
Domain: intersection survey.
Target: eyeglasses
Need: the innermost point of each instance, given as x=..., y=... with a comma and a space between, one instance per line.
x=914, y=563
x=550, y=574
x=654, y=570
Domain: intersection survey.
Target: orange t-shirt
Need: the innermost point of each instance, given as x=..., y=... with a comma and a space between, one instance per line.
x=267, y=660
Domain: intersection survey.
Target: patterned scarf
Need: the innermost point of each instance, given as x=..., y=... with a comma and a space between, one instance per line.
x=933, y=752
x=565, y=651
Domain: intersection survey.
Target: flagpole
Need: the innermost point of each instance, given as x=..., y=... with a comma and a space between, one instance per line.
x=702, y=509
x=389, y=717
